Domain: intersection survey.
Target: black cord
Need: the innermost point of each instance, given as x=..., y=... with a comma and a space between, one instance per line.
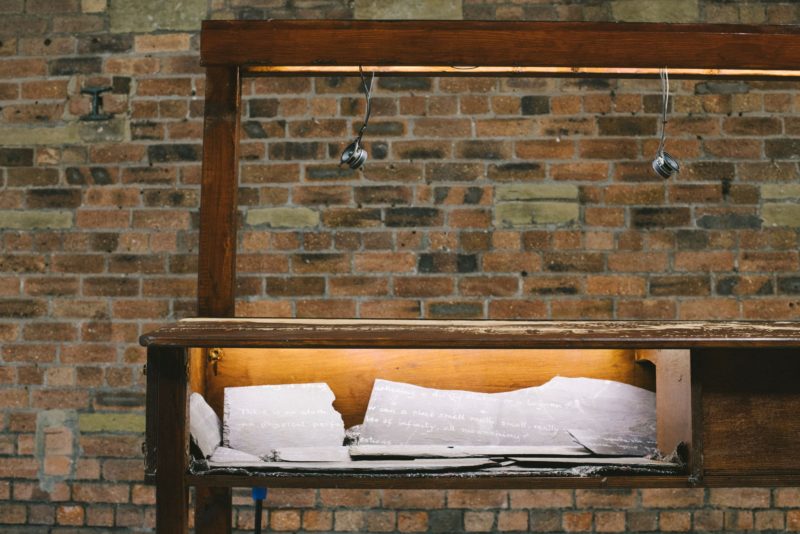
x=368, y=94
x=665, y=100
x=259, y=507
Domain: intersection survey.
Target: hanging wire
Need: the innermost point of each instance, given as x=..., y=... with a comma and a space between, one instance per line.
x=368, y=93
x=354, y=156
x=664, y=164
x=665, y=98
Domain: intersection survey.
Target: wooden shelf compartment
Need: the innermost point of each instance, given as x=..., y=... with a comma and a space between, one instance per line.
x=705, y=390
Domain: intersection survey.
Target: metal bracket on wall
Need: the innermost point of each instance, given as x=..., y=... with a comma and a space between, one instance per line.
x=97, y=104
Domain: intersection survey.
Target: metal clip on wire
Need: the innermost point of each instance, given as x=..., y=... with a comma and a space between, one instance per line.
x=664, y=164
x=354, y=156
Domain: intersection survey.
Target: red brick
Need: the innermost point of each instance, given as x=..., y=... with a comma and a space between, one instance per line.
x=422, y=499
x=326, y=308
x=634, y=194
x=22, y=68
x=675, y=521
x=380, y=521
x=580, y=172
x=740, y=497
x=70, y=515
x=770, y=520
x=605, y=498
x=12, y=514
x=384, y=262
x=393, y=308
x=708, y=520
x=349, y=520
x=793, y=520
x=546, y=149
x=44, y=90
x=317, y=520
x=499, y=286
x=412, y=521
x=477, y=499
x=615, y=285
x=577, y=521
x=787, y=497
x=349, y=498
x=672, y=498
x=609, y=521
x=546, y=521
x=708, y=309
x=517, y=309
x=170, y=42
x=292, y=498
x=512, y=521
x=442, y=128
x=18, y=468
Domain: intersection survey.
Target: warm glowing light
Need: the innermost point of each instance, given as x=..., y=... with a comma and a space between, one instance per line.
x=521, y=71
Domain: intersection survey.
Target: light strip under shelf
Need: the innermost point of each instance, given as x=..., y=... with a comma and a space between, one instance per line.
x=521, y=71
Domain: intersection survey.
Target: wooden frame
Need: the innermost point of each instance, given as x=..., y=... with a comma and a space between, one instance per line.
x=177, y=357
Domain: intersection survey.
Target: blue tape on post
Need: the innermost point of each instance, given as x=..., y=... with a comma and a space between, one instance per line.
x=259, y=494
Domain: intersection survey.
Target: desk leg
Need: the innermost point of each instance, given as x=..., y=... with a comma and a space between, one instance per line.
x=172, y=447
x=213, y=512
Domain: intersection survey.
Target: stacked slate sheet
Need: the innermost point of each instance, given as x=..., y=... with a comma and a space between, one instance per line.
x=567, y=423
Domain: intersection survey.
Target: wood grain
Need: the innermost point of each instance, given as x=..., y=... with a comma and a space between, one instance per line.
x=151, y=415
x=212, y=512
x=172, y=453
x=197, y=370
x=673, y=396
x=350, y=373
x=750, y=410
x=506, y=43
x=473, y=334
x=216, y=271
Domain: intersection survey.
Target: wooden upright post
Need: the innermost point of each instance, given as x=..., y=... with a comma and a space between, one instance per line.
x=172, y=439
x=216, y=279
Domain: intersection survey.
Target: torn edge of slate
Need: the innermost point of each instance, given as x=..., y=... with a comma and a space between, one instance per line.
x=673, y=466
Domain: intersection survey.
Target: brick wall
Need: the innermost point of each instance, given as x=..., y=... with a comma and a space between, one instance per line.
x=503, y=198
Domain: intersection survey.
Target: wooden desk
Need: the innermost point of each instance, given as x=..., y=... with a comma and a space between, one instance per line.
x=727, y=390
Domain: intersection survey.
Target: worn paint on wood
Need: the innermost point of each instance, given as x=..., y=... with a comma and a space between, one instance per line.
x=487, y=334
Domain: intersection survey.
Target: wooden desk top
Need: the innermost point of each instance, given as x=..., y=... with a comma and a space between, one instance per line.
x=288, y=333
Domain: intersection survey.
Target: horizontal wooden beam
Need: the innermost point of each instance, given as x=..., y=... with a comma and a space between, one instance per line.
x=473, y=334
x=707, y=48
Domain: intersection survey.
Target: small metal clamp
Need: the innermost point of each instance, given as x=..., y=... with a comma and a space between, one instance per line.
x=97, y=104
x=214, y=356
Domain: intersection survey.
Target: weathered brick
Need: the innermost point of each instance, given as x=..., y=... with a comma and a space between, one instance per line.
x=627, y=126
x=535, y=105
x=33, y=220
x=105, y=43
x=413, y=217
x=679, y=285
x=283, y=217
x=22, y=308
x=16, y=157
x=568, y=261
x=484, y=150
x=75, y=65
x=660, y=217
x=447, y=263
x=172, y=153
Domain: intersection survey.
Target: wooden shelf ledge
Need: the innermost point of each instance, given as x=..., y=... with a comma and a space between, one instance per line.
x=299, y=333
